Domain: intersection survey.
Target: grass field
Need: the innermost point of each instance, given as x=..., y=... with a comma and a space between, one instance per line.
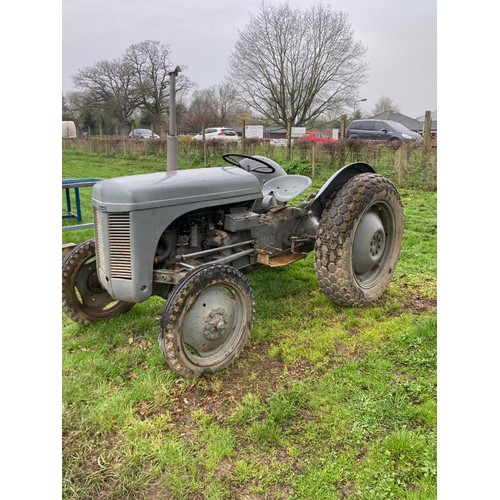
x=325, y=402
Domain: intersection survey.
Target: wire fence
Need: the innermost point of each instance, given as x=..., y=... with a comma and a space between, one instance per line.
x=408, y=163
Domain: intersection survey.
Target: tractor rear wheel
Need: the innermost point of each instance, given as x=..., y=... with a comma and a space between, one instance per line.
x=207, y=320
x=84, y=300
x=359, y=240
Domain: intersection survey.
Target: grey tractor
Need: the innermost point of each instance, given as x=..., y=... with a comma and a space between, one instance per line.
x=190, y=236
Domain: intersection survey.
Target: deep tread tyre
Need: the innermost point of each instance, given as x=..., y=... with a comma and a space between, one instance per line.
x=359, y=240
x=83, y=298
x=206, y=320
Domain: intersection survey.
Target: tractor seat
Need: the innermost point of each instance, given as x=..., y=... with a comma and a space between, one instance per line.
x=286, y=187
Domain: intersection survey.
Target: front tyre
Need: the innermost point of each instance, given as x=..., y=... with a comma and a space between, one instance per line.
x=207, y=320
x=359, y=240
x=84, y=300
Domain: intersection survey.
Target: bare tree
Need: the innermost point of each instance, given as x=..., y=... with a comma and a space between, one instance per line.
x=79, y=107
x=215, y=106
x=151, y=65
x=292, y=66
x=110, y=85
x=138, y=81
x=385, y=104
x=66, y=111
x=89, y=114
x=200, y=112
x=225, y=100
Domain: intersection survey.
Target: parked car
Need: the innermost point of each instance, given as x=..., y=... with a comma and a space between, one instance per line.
x=217, y=133
x=316, y=137
x=380, y=130
x=142, y=133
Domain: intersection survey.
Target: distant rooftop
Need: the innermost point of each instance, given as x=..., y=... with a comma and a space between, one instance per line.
x=434, y=117
x=415, y=124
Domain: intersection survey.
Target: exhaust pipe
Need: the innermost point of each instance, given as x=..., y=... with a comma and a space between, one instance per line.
x=172, y=143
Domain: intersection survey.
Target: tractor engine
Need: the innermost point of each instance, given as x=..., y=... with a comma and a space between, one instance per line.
x=235, y=235
x=196, y=238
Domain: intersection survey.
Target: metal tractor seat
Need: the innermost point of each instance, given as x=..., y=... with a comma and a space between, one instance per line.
x=286, y=187
x=280, y=190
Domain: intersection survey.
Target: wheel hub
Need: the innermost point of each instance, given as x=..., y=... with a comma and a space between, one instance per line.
x=93, y=281
x=369, y=243
x=376, y=245
x=215, y=324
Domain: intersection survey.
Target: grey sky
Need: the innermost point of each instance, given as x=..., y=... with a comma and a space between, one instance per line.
x=400, y=37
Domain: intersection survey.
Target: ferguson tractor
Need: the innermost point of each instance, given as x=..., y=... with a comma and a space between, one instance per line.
x=190, y=235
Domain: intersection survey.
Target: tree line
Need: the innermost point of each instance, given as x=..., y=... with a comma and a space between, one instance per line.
x=289, y=67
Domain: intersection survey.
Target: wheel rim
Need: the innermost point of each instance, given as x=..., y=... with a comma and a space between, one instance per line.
x=213, y=324
x=89, y=291
x=373, y=244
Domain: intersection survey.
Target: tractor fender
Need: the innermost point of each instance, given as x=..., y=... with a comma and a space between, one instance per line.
x=334, y=182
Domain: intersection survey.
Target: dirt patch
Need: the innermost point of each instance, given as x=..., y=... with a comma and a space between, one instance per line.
x=157, y=491
x=347, y=490
x=422, y=305
x=253, y=373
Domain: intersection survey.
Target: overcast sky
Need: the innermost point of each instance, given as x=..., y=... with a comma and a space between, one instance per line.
x=400, y=37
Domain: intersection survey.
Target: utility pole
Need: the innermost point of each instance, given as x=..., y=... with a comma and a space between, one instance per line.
x=354, y=106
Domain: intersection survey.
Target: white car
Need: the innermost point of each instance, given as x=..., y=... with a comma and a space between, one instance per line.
x=217, y=133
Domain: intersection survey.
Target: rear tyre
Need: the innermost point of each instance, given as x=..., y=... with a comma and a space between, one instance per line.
x=84, y=300
x=207, y=320
x=359, y=240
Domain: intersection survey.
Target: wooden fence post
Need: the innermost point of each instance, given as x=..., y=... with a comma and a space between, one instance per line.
x=243, y=137
x=313, y=158
x=427, y=139
x=427, y=130
x=343, y=126
x=204, y=144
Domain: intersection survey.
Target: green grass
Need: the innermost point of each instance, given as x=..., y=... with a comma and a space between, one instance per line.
x=325, y=402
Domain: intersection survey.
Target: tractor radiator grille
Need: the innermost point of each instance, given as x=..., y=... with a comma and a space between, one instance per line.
x=120, y=255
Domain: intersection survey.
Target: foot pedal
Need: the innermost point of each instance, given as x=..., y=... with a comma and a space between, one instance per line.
x=280, y=260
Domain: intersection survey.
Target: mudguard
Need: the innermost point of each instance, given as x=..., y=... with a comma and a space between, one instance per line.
x=334, y=182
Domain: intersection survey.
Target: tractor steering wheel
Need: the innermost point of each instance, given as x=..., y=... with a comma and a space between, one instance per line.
x=266, y=169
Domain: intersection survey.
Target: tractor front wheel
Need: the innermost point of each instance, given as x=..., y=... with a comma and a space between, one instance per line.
x=84, y=300
x=207, y=320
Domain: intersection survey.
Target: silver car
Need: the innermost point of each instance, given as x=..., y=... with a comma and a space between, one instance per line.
x=381, y=130
x=142, y=133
